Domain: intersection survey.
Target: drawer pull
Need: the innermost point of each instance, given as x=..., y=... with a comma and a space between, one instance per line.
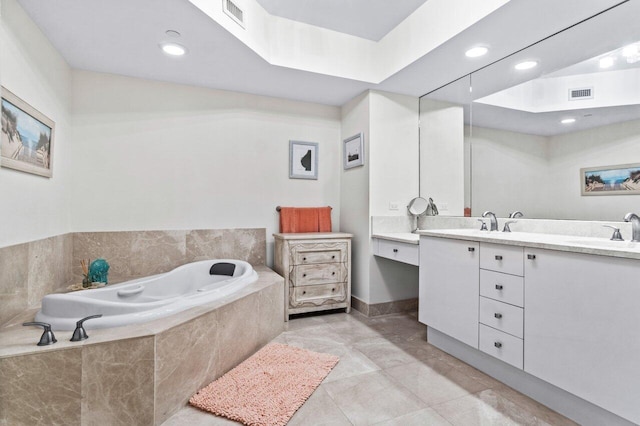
x=497, y=315
x=498, y=257
x=471, y=249
x=531, y=256
x=304, y=275
x=333, y=289
x=497, y=344
x=304, y=292
x=304, y=258
x=499, y=286
x=395, y=250
x=333, y=273
x=333, y=257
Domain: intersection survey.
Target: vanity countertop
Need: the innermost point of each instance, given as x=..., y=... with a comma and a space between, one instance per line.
x=401, y=237
x=570, y=243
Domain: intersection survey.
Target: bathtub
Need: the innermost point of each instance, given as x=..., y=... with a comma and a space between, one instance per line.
x=149, y=298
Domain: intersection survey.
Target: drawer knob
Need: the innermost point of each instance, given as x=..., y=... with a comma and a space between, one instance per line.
x=531, y=256
x=499, y=286
x=333, y=273
x=304, y=292
x=497, y=344
x=304, y=258
x=498, y=257
x=497, y=315
x=395, y=250
x=333, y=289
x=304, y=275
x=471, y=249
x=333, y=257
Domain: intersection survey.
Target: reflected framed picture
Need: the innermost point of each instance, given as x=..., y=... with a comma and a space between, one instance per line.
x=623, y=179
x=26, y=141
x=303, y=160
x=353, y=155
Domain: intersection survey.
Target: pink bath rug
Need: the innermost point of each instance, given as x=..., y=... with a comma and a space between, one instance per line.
x=267, y=388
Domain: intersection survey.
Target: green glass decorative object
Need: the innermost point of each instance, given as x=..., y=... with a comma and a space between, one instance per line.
x=98, y=271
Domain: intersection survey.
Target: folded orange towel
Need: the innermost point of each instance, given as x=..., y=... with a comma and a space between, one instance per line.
x=305, y=219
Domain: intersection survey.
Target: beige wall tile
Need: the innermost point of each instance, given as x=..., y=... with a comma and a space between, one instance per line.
x=155, y=252
x=14, y=267
x=114, y=247
x=243, y=244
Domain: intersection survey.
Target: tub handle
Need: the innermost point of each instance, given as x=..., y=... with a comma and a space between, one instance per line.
x=132, y=292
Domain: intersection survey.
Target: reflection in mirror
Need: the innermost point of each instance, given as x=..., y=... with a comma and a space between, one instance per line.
x=529, y=132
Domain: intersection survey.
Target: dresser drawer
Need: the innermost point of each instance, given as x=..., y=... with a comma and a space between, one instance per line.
x=314, y=255
x=502, y=346
x=314, y=274
x=502, y=316
x=501, y=258
x=503, y=287
x=401, y=252
x=318, y=294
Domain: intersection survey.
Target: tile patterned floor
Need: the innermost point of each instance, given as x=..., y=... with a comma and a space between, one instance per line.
x=388, y=375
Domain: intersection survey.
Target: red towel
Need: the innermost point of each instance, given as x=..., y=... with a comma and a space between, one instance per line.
x=305, y=219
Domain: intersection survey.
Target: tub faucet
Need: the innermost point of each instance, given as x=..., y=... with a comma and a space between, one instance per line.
x=516, y=214
x=635, y=226
x=492, y=218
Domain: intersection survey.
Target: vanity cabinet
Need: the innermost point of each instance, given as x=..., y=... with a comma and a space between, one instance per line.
x=449, y=287
x=398, y=251
x=317, y=271
x=582, y=326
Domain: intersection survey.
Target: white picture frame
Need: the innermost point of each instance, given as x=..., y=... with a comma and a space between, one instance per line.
x=353, y=153
x=303, y=160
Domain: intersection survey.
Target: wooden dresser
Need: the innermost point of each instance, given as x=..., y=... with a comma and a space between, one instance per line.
x=317, y=271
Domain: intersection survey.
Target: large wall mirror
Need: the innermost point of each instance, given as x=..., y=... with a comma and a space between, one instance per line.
x=518, y=139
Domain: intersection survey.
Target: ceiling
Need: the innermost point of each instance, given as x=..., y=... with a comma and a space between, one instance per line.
x=122, y=37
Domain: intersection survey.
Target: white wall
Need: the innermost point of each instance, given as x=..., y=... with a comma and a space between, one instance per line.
x=34, y=207
x=442, y=155
x=152, y=155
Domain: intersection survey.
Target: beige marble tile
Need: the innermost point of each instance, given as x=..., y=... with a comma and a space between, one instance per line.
x=14, y=267
x=401, y=325
x=243, y=244
x=427, y=416
x=486, y=408
x=319, y=410
x=534, y=407
x=434, y=381
x=315, y=338
x=270, y=312
x=360, y=306
x=155, y=252
x=400, y=306
x=117, y=383
x=383, y=352
x=49, y=268
x=114, y=247
x=352, y=363
x=41, y=389
x=371, y=398
x=354, y=331
x=185, y=362
x=300, y=322
x=193, y=417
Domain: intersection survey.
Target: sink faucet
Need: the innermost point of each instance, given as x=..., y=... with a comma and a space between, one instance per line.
x=494, y=221
x=515, y=214
x=635, y=226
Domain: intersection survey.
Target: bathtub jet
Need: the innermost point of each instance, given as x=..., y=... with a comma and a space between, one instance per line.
x=149, y=298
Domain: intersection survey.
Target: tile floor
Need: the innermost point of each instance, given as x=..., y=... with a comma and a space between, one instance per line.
x=389, y=375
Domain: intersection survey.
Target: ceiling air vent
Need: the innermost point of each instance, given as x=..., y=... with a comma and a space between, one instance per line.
x=233, y=11
x=582, y=93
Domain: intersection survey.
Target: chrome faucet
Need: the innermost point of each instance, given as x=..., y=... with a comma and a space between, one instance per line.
x=635, y=226
x=516, y=214
x=494, y=221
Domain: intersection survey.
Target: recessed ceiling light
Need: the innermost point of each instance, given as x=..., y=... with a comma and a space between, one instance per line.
x=606, y=62
x=630, y=50
x=526, y=65
x=476, y=52
x=568, y=121
x=173, y=49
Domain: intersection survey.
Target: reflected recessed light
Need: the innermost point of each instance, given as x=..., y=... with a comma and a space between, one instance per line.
x=606, y=62
x=526, y=65
x=172, y=33
x=630, y=50
x=173, y=49
x=476, y=52
x=568, y=121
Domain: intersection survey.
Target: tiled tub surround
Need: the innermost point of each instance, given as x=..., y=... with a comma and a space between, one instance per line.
x=31, y=270
x=135, y=374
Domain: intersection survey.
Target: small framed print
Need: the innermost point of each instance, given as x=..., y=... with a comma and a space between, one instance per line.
x=303, y=160
x=354, y=151
x=622, y=179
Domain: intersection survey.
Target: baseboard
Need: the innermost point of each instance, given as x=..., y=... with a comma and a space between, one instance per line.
x=386, y=308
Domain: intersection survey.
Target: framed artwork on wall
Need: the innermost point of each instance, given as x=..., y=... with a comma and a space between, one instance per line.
x=353, y=155
x=303, y=160
x=26, y=141
x=622, y=179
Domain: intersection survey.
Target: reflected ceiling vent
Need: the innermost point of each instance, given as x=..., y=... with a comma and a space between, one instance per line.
x=581, y=93
x=233, y=11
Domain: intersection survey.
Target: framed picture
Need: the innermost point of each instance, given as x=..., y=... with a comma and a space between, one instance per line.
x=354, y=151
x=623, y=179
x=303, y=160
x=26, y=141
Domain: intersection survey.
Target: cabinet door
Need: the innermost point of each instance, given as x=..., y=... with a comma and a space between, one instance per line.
x=449, y=287
x=582, y=327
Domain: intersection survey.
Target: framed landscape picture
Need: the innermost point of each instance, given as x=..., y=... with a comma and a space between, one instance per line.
x=353, y=155
x=26, y=141
x=303, y=160
x=623, y=179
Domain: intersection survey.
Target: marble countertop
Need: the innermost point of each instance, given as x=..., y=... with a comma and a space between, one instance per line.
x=570, y=243
x=401, y=237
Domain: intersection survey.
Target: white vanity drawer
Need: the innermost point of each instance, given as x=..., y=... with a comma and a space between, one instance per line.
x=401, y=252
x=503, y=287
x=502, y=346
x=501, y=258
x=502, y=316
